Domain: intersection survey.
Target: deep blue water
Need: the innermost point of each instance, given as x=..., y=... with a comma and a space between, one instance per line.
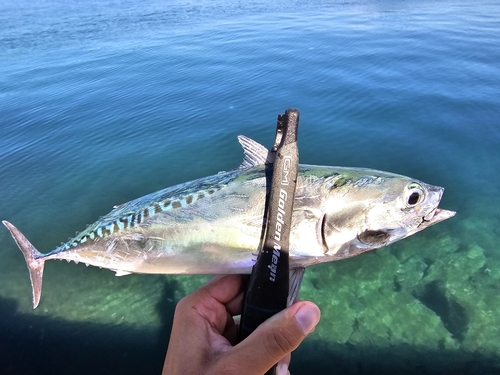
x=104, y=101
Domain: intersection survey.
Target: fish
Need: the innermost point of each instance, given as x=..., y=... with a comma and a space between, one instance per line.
x=213, y=225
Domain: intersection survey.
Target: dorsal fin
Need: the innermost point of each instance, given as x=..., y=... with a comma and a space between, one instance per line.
x=255, y=153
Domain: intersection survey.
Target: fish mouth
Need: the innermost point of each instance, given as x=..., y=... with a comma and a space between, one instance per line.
x=434, y=217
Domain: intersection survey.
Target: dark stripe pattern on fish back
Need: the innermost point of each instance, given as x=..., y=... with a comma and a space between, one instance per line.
x=135, y=212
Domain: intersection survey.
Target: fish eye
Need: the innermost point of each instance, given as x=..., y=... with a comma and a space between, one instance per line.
x=414, y=194
x=413, y=199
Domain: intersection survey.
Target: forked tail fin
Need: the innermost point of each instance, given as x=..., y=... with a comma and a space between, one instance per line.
x=33, y=258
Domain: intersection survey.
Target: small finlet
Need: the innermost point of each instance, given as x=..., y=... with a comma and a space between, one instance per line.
x=255, y=153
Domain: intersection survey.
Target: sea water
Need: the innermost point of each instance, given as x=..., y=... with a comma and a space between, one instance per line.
x=104, y=101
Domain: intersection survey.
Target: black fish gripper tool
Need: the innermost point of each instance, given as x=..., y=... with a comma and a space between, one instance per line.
x=267, y=289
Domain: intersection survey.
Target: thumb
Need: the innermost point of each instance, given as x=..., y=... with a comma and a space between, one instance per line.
x=277, y=337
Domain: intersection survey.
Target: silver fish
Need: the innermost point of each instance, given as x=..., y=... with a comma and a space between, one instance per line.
x=213, y=225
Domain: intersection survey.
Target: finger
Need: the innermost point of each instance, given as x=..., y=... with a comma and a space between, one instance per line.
x=276, y=337
x=223, y=289
x=207, y=305
x=220, y=290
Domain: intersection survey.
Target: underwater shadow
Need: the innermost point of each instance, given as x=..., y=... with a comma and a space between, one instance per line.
x=336, y=359
x=31, y=344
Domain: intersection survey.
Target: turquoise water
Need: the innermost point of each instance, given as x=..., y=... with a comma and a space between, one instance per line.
x=104, y=101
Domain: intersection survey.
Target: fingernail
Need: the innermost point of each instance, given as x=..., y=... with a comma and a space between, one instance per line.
x=282, y=369
x=308, y=317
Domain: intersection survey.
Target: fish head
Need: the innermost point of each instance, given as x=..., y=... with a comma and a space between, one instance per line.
x=378, y=209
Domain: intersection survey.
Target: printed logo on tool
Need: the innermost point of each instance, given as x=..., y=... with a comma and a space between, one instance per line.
x=287, y=164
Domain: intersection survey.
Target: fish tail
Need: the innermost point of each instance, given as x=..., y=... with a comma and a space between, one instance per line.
x=34, y=260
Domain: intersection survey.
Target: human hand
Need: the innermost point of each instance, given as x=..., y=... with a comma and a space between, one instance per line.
x=204, y=334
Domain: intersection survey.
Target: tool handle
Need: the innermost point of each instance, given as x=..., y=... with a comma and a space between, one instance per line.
x=267, y=289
